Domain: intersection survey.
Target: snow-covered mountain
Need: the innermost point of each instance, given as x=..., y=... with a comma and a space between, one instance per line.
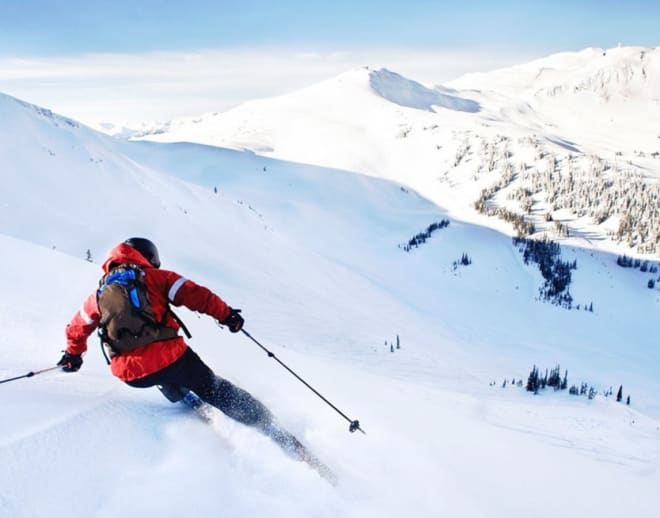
x=315, y=256
x=570, y=142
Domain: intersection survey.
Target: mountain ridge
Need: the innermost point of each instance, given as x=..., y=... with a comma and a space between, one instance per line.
x=569, y=109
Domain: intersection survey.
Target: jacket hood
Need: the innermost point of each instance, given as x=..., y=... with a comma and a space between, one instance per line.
x=125, y=254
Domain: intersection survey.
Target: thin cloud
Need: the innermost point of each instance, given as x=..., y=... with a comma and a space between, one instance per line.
x=125, y=88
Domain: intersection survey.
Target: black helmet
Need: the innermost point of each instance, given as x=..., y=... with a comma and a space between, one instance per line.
x=146, y=248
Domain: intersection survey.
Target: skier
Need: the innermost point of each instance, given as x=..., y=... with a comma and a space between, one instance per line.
x=164, y=359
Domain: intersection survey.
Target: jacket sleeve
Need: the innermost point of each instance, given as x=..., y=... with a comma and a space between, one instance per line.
x=82, y=325
x=184, y=292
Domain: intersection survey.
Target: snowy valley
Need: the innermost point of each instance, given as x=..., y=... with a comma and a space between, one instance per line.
x=364, y=225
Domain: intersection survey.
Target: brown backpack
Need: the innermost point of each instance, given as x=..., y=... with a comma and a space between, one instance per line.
x=127, y=318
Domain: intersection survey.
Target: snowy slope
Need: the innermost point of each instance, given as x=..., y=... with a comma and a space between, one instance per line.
x=311, y=256
x=593, y=114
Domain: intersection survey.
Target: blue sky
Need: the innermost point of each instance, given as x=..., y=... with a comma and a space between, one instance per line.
x=46, y=27
x=122, y=61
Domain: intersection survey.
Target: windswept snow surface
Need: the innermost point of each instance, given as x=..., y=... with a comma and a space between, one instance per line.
x=404, y=92
x=311, y=256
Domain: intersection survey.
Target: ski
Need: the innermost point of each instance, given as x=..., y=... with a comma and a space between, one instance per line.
x=323, y=470
x=296, y=450
x=285, y=440
x=202, y=409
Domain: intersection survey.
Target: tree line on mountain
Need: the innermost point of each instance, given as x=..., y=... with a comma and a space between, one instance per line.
x=521, y=226
x=484, y=204
x=644, y=266
x=593, y=187
x=583, y=185
x=493, y=154
x=556, y=273
x=553, y=378
x=536, y=382
x=421, y=238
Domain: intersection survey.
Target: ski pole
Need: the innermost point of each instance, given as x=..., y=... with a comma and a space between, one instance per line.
x=30, y=374
x=354, y=424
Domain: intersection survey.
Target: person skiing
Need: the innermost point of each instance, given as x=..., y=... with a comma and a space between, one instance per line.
x=159, y=356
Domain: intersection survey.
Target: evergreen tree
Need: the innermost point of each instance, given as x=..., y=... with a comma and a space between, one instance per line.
x=619, y=395
x=398, y=343
x=89, y=256
x=628, y=400
x=555, y=379
x=564, y=383
x=533, y=380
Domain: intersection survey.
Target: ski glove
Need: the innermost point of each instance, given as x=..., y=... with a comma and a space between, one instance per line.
x=234, y=321
x=70, y=362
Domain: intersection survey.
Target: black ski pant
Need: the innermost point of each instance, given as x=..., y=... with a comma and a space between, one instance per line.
x=190, y=373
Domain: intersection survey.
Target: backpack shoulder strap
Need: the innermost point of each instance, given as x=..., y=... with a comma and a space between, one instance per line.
x=179, y=321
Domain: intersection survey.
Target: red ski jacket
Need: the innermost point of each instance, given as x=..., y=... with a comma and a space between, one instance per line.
x=163, y=288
